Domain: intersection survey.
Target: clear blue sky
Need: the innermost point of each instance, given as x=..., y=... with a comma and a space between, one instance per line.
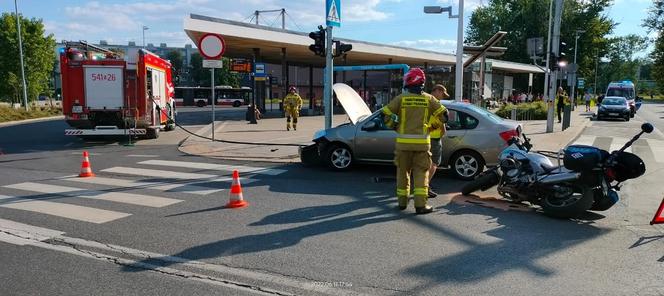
x=399, y=22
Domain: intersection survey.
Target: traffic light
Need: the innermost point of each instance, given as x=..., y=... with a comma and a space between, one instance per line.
x=562, y=56
x=341, y=48
x=319, y=41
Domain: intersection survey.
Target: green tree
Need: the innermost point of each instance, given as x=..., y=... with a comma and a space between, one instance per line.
x=223, y=76
x=622, y=61
x=655, y=23
x=523, y=19
x=38, y=53
x=175, y=57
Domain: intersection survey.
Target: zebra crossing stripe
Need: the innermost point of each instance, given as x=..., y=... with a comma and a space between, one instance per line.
x=585, y=140
x=657, y=148
x=121, y=197
x=617, y=143
x=186, y=187
x=214, y=167
x=159, y=173
x=69, y=211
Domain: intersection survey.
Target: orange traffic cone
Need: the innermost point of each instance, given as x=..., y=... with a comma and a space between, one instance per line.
x=86, y=170
x=236, y=200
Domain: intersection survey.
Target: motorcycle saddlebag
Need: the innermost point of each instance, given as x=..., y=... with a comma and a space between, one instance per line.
x=581, y=157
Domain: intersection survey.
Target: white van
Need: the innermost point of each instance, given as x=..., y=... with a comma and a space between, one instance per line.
x=623, y=89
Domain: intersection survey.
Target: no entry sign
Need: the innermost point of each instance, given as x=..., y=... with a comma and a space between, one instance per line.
x=211, y=46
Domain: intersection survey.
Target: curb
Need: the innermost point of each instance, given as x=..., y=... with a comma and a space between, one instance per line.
x=19, y=122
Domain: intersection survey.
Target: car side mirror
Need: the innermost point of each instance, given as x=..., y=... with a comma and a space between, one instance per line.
x=370, y=126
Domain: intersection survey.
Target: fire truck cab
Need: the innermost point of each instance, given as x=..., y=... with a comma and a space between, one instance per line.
x=110, y=93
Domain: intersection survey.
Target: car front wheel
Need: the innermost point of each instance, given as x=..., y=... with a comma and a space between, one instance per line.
x=339, y=157
x=466, y=164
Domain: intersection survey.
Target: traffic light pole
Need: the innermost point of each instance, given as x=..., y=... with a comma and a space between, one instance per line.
x=329, y=79
x=553, y=79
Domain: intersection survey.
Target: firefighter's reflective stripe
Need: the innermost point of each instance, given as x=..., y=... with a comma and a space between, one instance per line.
x=402, y=192
x=417, y=191
x=386, y=111
x=440, y=110
x=418, y=139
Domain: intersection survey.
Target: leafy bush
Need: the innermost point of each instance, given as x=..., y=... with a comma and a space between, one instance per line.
x=11, y=114
x=524, y=111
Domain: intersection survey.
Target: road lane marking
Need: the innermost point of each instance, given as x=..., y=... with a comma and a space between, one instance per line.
x=121, y=197
x=142, y=155
x=69, y=211
x=214, y=167
x=186, y=187
x=24, y=230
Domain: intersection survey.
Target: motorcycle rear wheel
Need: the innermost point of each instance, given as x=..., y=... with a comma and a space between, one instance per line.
x=483, y=182
x=571, y=206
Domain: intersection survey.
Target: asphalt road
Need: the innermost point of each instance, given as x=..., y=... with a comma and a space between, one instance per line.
x=158, y=226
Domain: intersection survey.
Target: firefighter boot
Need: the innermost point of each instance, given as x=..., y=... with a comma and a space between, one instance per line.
x=294, y=123
x=288, y=123
x=421, y=164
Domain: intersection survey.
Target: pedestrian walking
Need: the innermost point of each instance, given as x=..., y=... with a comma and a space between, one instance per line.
x=292, y=105
x=410, y=112
x=561, y=97
x=436, y=132
x=587, y=98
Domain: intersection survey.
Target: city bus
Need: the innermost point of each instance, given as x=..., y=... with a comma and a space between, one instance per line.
x=200, y=95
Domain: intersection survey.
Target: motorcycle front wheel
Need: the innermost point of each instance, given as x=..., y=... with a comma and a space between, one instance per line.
x=483, y=182
x=579, y=200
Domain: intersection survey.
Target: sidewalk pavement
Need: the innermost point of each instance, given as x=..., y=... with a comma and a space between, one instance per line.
x=273, y=131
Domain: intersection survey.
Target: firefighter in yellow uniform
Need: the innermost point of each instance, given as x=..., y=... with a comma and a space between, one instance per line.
x=411, y=112
x=292, y=105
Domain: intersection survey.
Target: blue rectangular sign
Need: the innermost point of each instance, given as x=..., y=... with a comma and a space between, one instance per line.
x=259, y=70
x=333, y=13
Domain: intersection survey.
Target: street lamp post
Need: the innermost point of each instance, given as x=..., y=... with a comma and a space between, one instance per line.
x=576, y=44
x=144, y=29
x=20, y=50
x=458, y=79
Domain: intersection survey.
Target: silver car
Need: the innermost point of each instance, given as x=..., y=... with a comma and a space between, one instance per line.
x=474, y=138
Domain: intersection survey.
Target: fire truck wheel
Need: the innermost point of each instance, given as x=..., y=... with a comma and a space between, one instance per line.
x=152, y=133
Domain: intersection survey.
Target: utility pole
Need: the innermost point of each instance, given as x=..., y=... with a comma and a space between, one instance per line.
x=283, y=18
x=576, y=67
x=20, y=51
x=547, y=74
x=596, y=62
x=555, y=46
x=458, y=81
x=328, y=96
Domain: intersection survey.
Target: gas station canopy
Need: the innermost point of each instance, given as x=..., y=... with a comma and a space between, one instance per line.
x=242, y=38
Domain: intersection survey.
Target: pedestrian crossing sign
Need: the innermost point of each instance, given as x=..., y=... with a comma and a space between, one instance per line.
x=333, y=13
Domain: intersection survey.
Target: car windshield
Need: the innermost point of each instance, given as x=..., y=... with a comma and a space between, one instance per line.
x=486, y=113
x=620, y=92
x=614, y=101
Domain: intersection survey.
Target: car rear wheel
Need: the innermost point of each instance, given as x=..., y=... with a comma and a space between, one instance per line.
x=236, y=104
x=200, y=103
x=466, y=164
x=339, y=157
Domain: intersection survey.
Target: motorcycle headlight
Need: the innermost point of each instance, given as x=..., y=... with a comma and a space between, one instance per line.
x=319, y=134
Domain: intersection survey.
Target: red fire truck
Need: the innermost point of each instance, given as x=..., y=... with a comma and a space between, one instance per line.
x=110, y=93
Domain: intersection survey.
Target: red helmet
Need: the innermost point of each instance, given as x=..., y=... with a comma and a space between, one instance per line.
x=414, y=77
x=292, y=88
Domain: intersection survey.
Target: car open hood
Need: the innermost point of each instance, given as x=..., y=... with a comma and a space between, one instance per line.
x=355, y=107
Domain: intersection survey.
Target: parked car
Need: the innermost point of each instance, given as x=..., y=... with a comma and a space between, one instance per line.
x=475, y=137
x=614, y=107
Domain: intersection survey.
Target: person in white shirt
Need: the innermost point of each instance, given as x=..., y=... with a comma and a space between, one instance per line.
x=586, y=98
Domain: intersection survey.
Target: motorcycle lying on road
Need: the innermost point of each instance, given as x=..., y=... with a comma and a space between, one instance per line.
x=588, y=179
